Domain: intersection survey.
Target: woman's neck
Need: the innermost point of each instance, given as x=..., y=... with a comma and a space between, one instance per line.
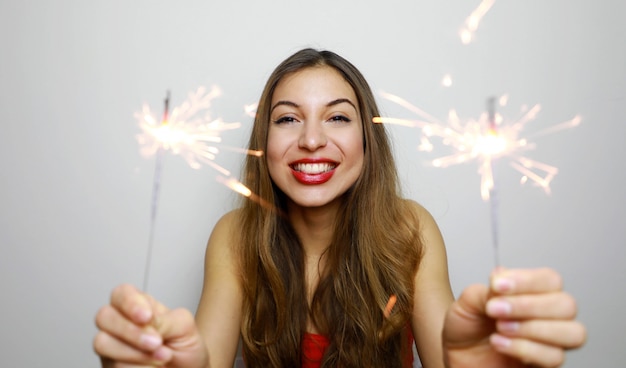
x=314, y=226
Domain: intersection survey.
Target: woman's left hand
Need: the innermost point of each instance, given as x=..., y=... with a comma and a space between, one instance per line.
x=523, y=318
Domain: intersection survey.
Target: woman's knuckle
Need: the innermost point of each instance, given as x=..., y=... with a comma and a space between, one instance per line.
x=103, y=315
x=183, y=314
x=545, y=356
x=122, y=291
x=568, y=306
x=580, y=336
x=556, y=280
x=556, y=359
x=99, y=342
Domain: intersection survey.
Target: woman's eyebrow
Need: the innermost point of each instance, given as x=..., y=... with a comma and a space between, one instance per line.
x=340, y=101
x=331, y=103
x=284, y=102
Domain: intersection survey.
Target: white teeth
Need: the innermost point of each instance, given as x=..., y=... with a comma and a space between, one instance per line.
x=313, y=168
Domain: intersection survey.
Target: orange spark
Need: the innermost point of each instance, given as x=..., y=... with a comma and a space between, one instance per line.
x=390, y=304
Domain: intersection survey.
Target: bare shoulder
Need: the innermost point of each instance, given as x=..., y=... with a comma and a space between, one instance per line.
x=224, y=235
x=221, y=257
x=434, y=252
x=227, y=225
x=428, y=225
x=221, y=251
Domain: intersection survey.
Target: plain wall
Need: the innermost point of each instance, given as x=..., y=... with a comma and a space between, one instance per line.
x=75, y=192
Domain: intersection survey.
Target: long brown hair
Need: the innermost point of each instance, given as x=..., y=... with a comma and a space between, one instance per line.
x=374, y=253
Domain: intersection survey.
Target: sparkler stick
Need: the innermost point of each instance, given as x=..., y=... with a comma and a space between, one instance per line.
x=156, y=184
x=493, y=197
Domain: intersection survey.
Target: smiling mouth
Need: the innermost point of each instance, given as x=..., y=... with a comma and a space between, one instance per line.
x=313, y=168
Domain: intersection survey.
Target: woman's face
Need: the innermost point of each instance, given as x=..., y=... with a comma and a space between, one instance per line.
x=315, y=141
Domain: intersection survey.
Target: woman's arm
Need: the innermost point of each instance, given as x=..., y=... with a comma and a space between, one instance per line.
x=219, y=312
x=433, y=294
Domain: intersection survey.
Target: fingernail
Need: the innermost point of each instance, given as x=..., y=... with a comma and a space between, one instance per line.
x=508, y=326
x=500, y=341
x=150, y=341
x=498, y=308
x=502, y=284
x=162, y=354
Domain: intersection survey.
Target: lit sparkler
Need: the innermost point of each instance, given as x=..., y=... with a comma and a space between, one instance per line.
x=483, y=140
x=188, y=131
x=473, y=21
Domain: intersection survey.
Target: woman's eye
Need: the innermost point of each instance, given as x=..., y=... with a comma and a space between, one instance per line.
x=285, y=119
x=340, y=118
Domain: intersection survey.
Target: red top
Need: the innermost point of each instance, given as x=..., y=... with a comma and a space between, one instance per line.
x=314, y=346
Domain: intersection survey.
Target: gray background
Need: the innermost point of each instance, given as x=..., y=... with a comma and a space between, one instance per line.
x=75, y=192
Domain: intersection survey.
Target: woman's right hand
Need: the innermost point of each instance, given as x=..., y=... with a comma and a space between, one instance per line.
x=134, y=329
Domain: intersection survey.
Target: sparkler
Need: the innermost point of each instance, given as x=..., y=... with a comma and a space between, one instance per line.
x=189, y=131
x=483, y=140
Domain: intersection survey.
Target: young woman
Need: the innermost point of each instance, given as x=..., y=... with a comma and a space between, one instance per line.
x=338, y=270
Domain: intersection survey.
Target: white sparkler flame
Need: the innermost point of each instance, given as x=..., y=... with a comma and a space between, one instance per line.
x=189, y=131
x=472, y=22
x=482, y=141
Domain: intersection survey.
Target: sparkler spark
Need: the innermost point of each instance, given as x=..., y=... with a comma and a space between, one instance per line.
x=251, y=109
x=390, y=304
x=240, y=188
x=472, y=22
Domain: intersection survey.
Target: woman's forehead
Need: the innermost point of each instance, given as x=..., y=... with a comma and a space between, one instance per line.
x=321, y=82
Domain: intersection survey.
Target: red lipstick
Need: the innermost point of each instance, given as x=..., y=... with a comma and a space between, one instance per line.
x=309, y=178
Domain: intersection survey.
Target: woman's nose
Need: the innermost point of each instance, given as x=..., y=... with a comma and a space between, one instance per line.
x=312, y=136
